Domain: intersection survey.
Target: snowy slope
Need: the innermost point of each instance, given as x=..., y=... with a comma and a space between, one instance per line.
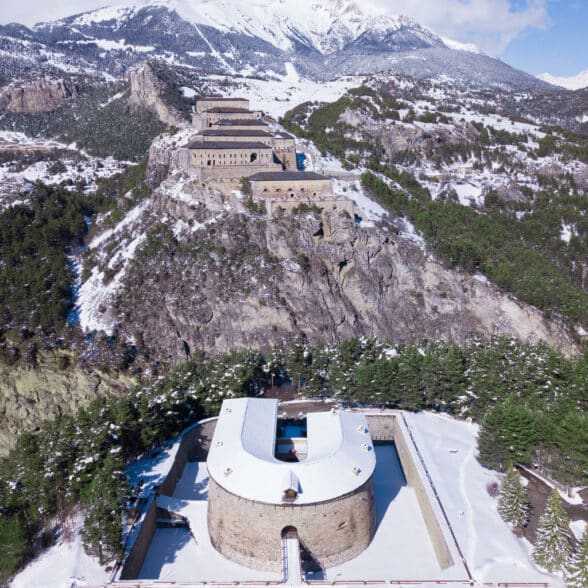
x=576, y=82
x=64, y=565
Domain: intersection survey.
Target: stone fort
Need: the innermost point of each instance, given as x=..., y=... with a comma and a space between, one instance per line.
x=267, y=478
x=234, y=142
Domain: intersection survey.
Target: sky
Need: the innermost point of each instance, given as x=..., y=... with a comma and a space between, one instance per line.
x=536, y=36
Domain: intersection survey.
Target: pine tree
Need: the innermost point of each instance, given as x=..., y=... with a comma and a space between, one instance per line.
x=552, y=547
x=103, y=524
x=513, y=502
x=577, y=568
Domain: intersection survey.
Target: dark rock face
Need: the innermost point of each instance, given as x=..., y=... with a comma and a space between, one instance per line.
x=248, y=281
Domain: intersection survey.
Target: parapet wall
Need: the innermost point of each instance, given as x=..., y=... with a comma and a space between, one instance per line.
x=250, y=533
x=193, y=447
x=388, y=428
x=324, y=203
x=136, y=558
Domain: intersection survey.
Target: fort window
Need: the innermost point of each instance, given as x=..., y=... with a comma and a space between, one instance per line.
x=253, y=157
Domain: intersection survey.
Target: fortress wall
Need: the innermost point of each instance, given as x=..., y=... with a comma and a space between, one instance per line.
x=206, y=103
x=250, y=532
x=287, y=157
x=193, y=447
x=283, y=188
x=382, y=427
x=134, y=562
x=324, y=203
x=233, y=171
x=415, y=476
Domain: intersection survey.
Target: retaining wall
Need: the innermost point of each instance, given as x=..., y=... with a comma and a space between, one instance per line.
x=136, y=558
x=386, y=428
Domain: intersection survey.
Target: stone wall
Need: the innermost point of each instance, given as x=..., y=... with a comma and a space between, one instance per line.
x=250, y=532
x=134, y=562
x=385, y=428
x=193, y=447
x=276, y=207
x=254, y=154
x=207, y=120
x=291, y=188
x=206, y=103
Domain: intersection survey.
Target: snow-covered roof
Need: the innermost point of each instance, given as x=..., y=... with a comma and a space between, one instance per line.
x=241, y=459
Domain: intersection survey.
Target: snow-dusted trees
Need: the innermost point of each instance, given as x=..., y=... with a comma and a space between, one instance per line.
x=553, y=547
x=513, y=502
x=577, y=569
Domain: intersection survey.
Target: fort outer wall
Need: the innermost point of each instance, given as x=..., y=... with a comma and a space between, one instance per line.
x=276, y=207
x=204, y=104
x=182, y=159
x=193, y=447
x=250, y=533
x=386, y=429
x=383, y=429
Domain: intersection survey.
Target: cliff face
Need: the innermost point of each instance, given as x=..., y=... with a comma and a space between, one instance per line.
x=146, y=91
x=30, y=395
x=39, y=95
x=231, y=279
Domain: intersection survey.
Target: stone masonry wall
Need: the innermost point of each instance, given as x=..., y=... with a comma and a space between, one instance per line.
x=250, y=532
x=134, y=562
x=324, y=203
x=385, y=428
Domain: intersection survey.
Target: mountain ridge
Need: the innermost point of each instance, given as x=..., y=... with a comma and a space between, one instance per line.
x=323, y=42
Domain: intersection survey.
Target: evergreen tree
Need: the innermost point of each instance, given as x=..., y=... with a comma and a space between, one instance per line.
x=513, y=502
x=577, y=569
x=103, y=524
x=553, y=547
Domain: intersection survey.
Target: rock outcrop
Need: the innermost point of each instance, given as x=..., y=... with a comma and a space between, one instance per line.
x=229, y=279
x=146, y=91
x=37, y=95
x=30, y=395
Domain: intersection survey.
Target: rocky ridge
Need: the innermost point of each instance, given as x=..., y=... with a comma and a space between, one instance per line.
x=212, y=275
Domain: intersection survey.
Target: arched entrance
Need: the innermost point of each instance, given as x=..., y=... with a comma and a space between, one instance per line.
x=289, y=532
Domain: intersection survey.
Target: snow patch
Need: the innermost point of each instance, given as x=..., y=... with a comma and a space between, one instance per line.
x=64, y=565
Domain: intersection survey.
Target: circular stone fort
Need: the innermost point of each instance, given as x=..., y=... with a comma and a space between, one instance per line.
x=270, y=478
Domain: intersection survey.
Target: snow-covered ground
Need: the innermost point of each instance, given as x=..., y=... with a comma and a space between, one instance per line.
x=95, y=296
x=72, y=167
x=278, y=95
x=64, y=565
x=493, y=552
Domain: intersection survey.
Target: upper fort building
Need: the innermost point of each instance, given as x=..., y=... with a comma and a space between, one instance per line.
x=234, y=142
x=210, y=111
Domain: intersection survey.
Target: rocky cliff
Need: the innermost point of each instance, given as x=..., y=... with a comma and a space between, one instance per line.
x=146, y=91
x=217, y=277
x=30, y=395
x=37, y=95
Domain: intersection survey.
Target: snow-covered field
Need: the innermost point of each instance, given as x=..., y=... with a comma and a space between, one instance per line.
x=72, y=167
x=493, y=552
x=278, y=95
x=65, y=565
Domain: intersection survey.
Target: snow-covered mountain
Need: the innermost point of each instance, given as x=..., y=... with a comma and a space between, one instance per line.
x=576, y=82
x=259, y=38
x=327, y=26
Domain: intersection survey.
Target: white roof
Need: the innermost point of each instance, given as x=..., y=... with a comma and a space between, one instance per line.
x=241, y=459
